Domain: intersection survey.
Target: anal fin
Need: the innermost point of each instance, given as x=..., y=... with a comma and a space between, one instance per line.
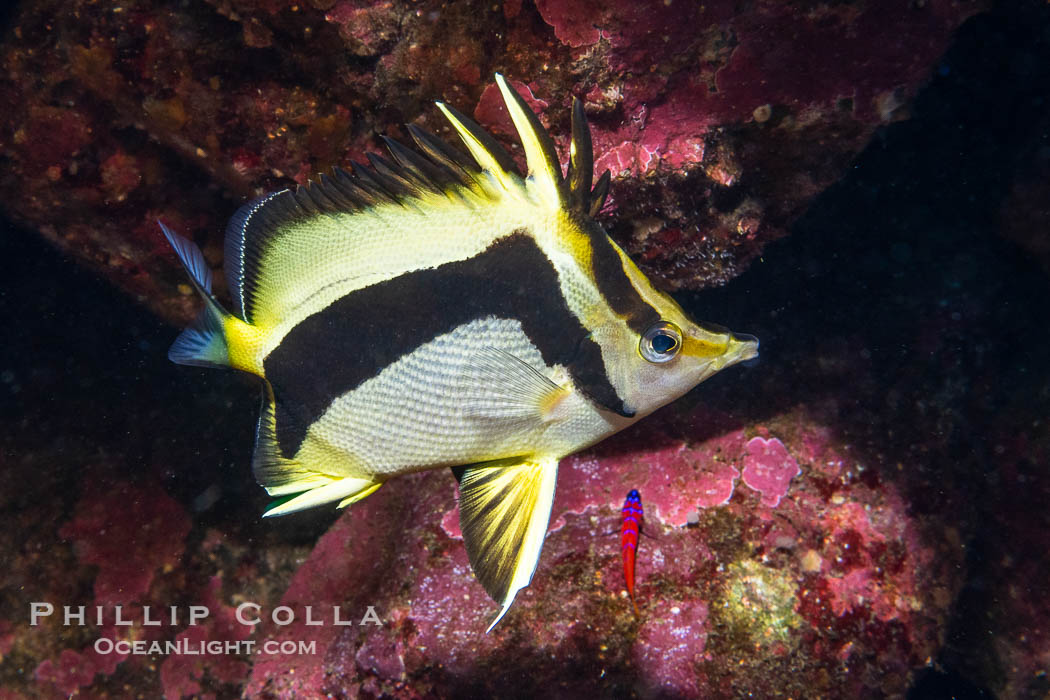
x=504, y=508
x=347, y=490
x=296, y=485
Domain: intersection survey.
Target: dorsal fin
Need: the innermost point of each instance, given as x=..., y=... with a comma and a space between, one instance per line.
x=420, y=169
x=246, y=236
x=487, y=174
x=581, y=159
x=491, y=156
x=444, y=154
x=598, y=195
x=540, y=155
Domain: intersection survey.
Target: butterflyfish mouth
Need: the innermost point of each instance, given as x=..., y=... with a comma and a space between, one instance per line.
x=744, y=346
x=739, y=347
x=720, y=347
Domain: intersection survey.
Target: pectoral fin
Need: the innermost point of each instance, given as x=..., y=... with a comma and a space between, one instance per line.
x=499, y=385
x=504, y=508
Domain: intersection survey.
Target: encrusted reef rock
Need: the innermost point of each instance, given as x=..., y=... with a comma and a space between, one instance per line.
x=775, y=558
x=719, y=121
x=811, y=579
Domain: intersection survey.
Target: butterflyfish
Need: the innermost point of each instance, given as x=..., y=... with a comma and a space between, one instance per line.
x=438, y=309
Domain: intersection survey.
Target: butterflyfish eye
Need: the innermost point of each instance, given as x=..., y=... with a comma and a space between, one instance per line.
x=661, y=342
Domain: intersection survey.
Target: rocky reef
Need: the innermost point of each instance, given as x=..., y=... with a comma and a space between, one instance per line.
x=837, y=575
x=720, y=122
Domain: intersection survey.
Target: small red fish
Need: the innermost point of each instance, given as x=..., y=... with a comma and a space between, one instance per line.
x=632, y=525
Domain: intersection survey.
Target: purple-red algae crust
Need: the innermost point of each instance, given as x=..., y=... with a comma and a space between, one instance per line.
x=124, y=569
x=834, y=580
x=720, y=121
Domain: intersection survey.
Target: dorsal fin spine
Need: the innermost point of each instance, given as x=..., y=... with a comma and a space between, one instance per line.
x=344, y=182
x=488, y=160
x=598, y=194
x=581, y=158
x=444, y=154
x=540, y=154
x=395, y=183
x=422, y=170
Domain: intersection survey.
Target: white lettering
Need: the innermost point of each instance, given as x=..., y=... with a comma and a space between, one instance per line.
x=310, y=617
x=272, y=647
x=245, y=620
x=371, y=618
x=38, y=610
x=197, y=613
x=119, y=620
x=235, y=647
x=146, y=620
x=286, y=616
x=338, y=620
x=68, y=616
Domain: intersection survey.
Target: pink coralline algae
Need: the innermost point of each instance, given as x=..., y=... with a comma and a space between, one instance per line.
x=717, y=486
x=435, y=615
x=130, y=533
x=367, y=31
x=769, y=469
x=151, y=527
x=181, y=674
x=70, y=672
x=673, y=477
x=836, y=566
x=670, y=652
x=749, y=60
x=345, y=572
x=73, y=670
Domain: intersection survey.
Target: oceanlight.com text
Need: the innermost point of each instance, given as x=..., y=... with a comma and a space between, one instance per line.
x=186, y=647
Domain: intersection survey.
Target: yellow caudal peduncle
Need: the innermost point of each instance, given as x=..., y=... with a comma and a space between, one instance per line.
x=245, y=344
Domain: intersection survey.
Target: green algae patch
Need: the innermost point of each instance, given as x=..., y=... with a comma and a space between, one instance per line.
x=757, y=606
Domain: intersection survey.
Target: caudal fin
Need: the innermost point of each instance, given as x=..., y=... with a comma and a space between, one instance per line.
x=203, y=343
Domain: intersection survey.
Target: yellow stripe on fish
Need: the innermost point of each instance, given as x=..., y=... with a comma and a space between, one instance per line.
x=442, y=310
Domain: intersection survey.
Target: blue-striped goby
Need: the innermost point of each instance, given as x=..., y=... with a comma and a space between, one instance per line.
x=441, y=310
